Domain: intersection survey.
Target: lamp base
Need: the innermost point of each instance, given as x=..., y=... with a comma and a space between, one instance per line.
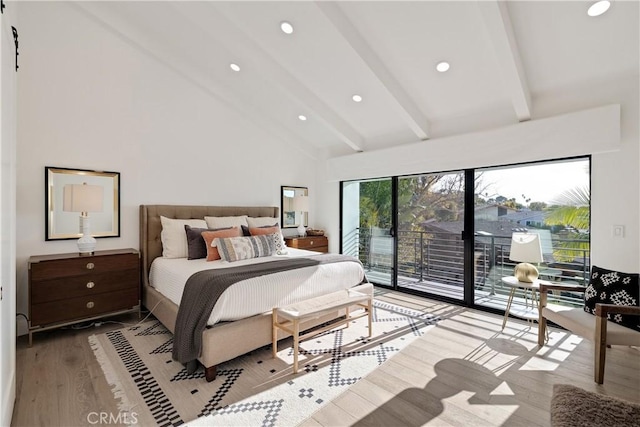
x=87, y=243
x=525, y=272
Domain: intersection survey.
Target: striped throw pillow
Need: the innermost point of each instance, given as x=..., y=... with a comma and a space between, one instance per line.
x=237, y=248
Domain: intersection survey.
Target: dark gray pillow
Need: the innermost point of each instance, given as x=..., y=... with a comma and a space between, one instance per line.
x=196, y=246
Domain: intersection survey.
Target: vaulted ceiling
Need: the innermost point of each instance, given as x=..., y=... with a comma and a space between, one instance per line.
x=502, y=56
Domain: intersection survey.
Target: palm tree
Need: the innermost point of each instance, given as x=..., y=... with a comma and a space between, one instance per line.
x=572, y=208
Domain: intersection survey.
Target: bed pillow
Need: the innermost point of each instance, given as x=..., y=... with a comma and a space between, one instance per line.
x=261, y=221
x=210, y=236
x=281, y=248
x=173, y=237
x=196, y=246
x=613, y=287
x=226, y=221
x=237, y=248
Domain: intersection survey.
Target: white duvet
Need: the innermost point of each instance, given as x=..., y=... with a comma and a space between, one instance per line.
x=260, y=294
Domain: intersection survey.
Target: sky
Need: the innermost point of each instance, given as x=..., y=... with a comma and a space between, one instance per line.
x=540, y=183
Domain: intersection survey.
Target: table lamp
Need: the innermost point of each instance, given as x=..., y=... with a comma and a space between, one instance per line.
x=83, y=198
x=525, y=248
x=301, y=204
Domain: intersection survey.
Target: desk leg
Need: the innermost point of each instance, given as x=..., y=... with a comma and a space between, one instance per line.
x=506, y=311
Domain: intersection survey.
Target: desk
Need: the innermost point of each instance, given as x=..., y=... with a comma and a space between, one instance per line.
x=530, y=311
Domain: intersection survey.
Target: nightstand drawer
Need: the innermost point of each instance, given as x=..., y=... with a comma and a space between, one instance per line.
x=82, y=265
x=310, y=243
x=85, y=285
x=81, y=307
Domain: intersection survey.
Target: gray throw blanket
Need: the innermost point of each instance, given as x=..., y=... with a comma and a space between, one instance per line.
x=202, y=290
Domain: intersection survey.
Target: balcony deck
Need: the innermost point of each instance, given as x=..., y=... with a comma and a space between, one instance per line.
x=486, y=295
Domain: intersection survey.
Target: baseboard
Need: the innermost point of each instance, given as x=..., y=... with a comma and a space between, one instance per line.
x=9, y=399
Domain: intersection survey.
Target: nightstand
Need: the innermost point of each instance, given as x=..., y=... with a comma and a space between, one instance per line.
x=310, y=243
x=70, y=288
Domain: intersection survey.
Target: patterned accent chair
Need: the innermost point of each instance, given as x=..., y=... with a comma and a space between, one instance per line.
x=611, y=315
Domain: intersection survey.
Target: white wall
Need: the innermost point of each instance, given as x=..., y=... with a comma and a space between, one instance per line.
x=89, y=99
x=8, y=79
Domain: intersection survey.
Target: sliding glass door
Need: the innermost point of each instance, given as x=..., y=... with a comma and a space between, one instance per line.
x=448, y=235
x=551, y=200
x=430, y=227
x=367, y=227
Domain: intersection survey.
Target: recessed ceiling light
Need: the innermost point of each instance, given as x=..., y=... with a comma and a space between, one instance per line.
x=598, y=8
x=442, y=66
x=303, y=118
x=234, y=67
x=286, y=27
x=356, y=98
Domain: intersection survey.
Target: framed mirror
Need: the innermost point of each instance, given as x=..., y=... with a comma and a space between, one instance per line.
x=61, y=222
x=294, y=206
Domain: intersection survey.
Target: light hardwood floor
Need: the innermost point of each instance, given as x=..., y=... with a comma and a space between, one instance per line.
x=462, y=372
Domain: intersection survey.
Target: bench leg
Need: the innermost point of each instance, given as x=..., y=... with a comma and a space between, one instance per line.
x=347, y=316
x=274, y=334
x=369, y=316
x=296, y=343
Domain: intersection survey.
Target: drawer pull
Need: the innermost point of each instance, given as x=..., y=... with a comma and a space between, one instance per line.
x=90, y=304
x=90, y=266
x=90, y=285
x=311, y=242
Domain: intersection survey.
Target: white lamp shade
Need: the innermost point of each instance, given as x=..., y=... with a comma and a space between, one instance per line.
x=301, y=204
x=82, y=198
x=525, y=247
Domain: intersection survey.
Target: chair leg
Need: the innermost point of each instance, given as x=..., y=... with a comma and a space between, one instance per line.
x=542, y=330
x=600, y=344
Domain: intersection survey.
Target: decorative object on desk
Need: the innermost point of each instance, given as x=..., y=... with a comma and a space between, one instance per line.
x=291, y=215
x=312, y=232
x=301, y=204
x=525, y=248
x=60, y=225
x=84, y=198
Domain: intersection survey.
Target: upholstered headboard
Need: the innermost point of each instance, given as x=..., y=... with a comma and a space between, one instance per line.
x=151, y=227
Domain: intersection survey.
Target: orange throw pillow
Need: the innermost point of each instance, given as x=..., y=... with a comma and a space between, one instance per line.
x=261, y=231
x=208, y=236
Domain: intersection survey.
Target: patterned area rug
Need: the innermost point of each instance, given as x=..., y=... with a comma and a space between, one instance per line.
x=253, y=389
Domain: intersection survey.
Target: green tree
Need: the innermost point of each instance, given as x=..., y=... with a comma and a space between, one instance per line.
x=571, y=209
x=537, y=206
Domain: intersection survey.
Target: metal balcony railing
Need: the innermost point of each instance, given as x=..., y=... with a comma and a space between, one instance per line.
x=435, y=259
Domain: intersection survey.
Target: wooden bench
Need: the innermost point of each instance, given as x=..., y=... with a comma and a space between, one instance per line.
x=288, y=318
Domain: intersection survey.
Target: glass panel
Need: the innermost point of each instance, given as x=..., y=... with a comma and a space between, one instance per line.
x=550, y=199
x=430, y=225
x=366, y=227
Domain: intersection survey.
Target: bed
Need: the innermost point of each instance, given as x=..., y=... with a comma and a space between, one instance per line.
x=240, y=335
